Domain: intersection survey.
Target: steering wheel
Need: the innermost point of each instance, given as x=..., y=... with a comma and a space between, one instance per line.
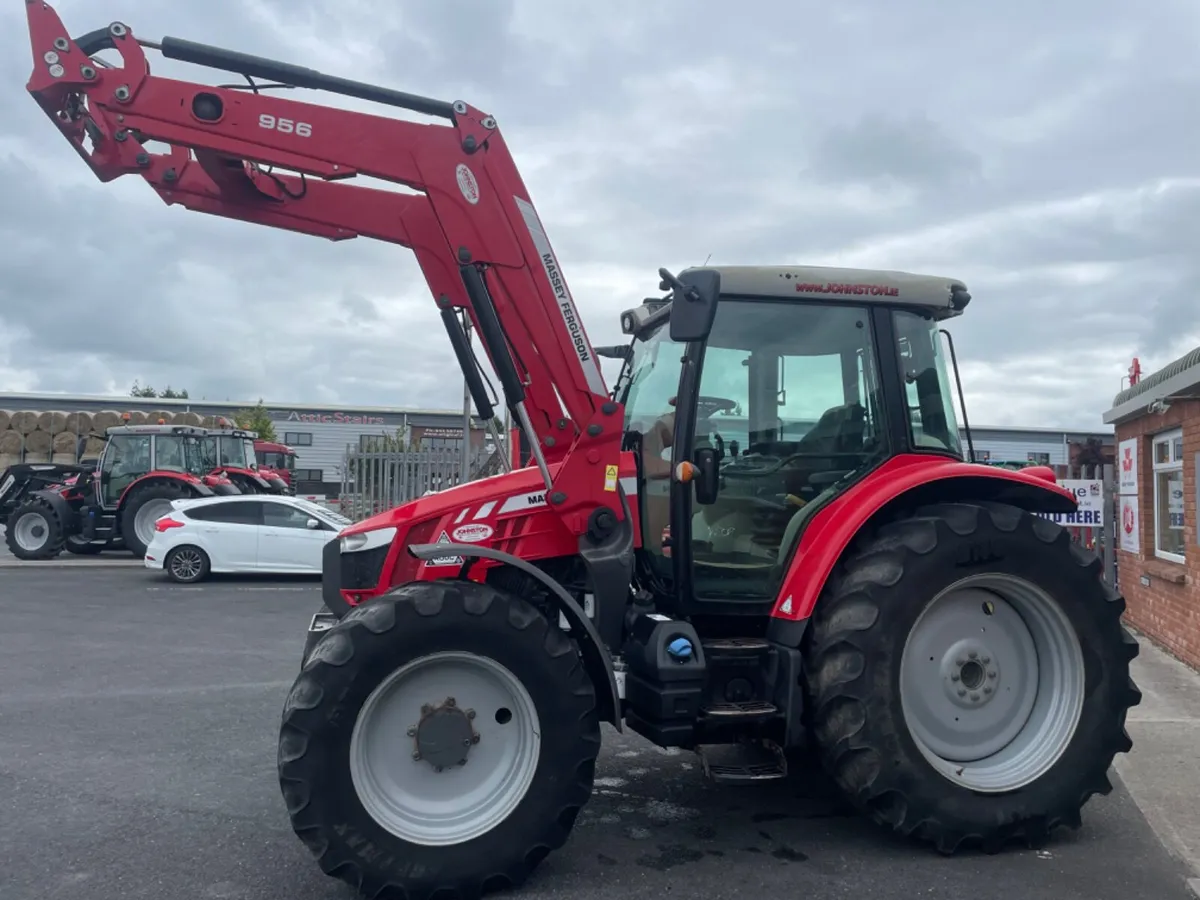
x=710, y=406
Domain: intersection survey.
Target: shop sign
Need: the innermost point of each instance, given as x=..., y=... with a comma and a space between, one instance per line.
x=1089, y=494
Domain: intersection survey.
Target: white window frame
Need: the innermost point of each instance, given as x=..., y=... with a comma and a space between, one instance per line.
x=1174, y=464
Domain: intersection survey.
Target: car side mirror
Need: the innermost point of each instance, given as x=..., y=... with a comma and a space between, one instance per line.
x=313, y=524
x=693, y=303
x=708, y=475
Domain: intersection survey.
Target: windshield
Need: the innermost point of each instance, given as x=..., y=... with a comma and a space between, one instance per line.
x=251, y=462
x=317, y=509
x=199, y=455
x=930, y=392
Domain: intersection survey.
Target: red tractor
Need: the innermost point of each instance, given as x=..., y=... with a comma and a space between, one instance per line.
x=141, y=470
x=237, y=461
x=838, y=577
x=277, y=459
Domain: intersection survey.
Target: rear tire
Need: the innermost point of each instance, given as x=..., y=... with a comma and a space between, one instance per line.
x=34, y=531
x=547, y=737
x=143, y=507
x=901, y=710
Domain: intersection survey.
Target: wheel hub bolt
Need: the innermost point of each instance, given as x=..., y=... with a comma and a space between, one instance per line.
x=412, y=732
x=416, y=754
x=973, y=655
x=470, y=713
x=450, y=701
x=975, y=697
x=988, y=689
x=426, y=709
x=962, y=692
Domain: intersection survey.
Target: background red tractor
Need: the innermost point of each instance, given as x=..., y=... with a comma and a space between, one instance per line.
x=237, y=460
x=141, y=470
x=277, y=459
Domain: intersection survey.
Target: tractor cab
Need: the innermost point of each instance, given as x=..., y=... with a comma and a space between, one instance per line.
x=777, y=394
x=134, y=451
x=236, y=458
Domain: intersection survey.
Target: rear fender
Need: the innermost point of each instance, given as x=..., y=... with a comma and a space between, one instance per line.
x=191, y=482
x=904, y=482
x=595, y=655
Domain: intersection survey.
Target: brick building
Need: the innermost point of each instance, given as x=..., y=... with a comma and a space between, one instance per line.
x=1157, y=423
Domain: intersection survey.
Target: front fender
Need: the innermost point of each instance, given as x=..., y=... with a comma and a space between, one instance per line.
x=905, y=481
x=595, y=655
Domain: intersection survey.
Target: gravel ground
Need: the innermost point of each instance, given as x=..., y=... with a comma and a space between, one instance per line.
x=137, y=760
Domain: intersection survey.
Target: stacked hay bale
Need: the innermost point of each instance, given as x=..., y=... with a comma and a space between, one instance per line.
x=66, y=437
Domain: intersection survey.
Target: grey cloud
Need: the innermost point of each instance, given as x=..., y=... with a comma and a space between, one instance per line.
x=912, y=150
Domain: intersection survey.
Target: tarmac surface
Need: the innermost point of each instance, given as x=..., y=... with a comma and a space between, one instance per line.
x=137, y=760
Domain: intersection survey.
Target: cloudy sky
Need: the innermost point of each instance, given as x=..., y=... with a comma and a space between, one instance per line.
x=1046, y=154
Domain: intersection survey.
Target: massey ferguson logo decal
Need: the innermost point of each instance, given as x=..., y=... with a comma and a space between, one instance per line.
x=568, y=310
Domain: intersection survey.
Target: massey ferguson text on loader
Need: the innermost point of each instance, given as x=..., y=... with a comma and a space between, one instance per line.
x=765, y=536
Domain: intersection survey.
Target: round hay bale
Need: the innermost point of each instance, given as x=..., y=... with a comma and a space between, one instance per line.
x=34, y=457
x=189, y=418
x=158, y=417
x=65, y=442
x=11, y=444
x=8, y=459
x=93, y=447
x=38, y=442
x=105, y=419
x=52, y=421
x=24, y=422
x=64, y=459
x=136, y=417
x=79, y=423
x=5, y=418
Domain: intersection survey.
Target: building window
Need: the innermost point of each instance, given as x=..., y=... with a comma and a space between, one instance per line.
x=308, y=475
x=297, y=438
x=1039, y=459
x=1168, y=495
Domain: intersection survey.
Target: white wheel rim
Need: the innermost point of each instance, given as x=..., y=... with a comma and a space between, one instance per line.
x=32, y=532
x=456, y=694
x=150, y=512
x=992, y=683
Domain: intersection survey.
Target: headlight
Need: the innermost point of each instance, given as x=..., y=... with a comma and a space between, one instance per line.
x=367, y=540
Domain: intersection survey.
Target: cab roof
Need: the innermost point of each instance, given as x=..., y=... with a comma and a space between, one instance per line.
x=942, y=296
x=156, y=429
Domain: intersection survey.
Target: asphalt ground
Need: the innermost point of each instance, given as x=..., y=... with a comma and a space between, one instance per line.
x=137, y=760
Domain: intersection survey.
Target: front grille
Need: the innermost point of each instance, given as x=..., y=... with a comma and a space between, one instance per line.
x=361, y=570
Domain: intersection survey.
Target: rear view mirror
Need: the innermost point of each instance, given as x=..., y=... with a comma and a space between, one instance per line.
x=693, y=303
x=313, y=524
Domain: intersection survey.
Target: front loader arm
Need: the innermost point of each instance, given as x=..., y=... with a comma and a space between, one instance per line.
x=471, y=226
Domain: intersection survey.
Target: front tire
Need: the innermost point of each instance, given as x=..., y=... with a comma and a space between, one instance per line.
x=917, y=729
x=34, y=531
x=517, y=735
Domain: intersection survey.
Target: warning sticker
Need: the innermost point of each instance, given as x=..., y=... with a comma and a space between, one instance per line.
x=445, y=560
x=611, y=474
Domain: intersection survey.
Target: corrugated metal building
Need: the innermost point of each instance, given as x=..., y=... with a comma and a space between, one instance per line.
x=319, y=434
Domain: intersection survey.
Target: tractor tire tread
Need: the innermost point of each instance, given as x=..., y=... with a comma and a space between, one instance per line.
x=861, y=742
x=344, y=839
x=54, y=546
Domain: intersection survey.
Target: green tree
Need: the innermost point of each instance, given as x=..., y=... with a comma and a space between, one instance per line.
x=256, y=418
x=168, y=393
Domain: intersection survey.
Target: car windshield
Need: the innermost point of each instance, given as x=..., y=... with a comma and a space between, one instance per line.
x=317, y=509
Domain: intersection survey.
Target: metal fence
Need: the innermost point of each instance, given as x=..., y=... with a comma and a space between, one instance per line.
x=378, y=480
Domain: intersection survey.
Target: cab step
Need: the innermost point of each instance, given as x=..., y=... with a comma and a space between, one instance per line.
x=747, y=711
x=743, y=763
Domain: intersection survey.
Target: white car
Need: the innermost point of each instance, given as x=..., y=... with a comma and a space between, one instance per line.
x=241, y=533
